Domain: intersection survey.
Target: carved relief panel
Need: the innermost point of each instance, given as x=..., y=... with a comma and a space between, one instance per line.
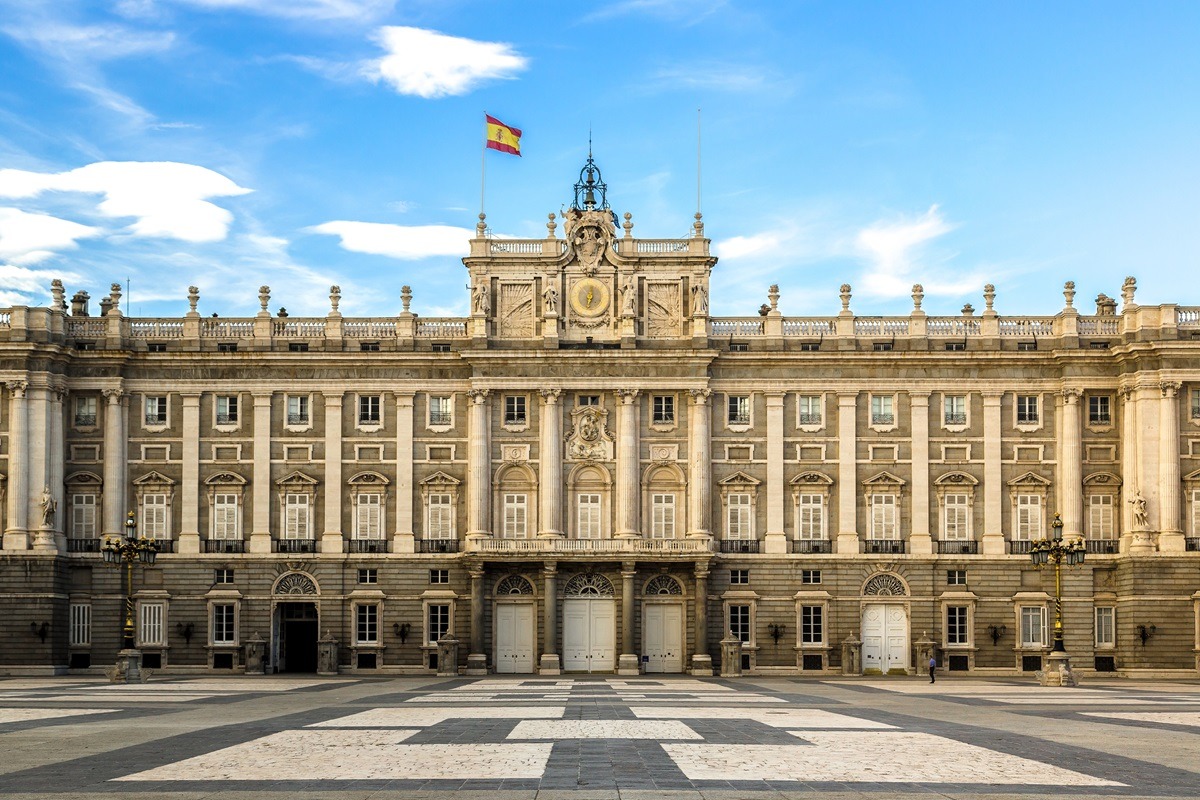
x=589, y=438
x=515, y=312
x=664, y=309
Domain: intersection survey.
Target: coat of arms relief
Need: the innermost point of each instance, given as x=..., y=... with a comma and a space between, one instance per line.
x=589, y=438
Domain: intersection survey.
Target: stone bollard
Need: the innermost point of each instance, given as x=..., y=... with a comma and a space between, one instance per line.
x=731, y=656
x=925, y=647
x=256, y=655
x=447, y=656
x=327, y=655
x=852, y=655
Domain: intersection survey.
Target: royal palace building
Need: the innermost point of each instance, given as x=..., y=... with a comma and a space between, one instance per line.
x=592, y=474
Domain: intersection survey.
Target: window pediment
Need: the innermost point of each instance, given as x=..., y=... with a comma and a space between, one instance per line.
x=1030, y=480
x=297, y=480
x=952, y=479
x=226, y=479
x=740, y=480
x=812, y=479
x=1192, y=477
x=153, y=479
x=83, y=479
x=1102, y=479
x=440, y=479
x=369, y=479
x=884, y=480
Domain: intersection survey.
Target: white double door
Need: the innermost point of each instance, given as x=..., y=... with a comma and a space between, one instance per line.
x=514, y=637
x=885, y=638
x=589, y=634
x=662, y=637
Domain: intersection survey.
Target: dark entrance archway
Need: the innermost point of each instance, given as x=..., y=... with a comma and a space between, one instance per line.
x=297, y=627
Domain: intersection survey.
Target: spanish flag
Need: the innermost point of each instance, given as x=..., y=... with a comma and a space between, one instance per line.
x=504, y=138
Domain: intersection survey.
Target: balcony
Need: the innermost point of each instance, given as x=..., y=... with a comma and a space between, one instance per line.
x=85, y=420
x=227, y=419
x=296, y=546
x=83, y=545
x=810, y=419
x=883, y=419
x=224, y=546
x=955, y=418
x=585, y=546
x=437, y=546
x=958, y=547
x=368, y=545
x=812, y=546
x=1103, y=546
x=440, y=418
x=1020, y=546
x=889, y=546
x=165, y=545
x=297, y=419
x=156, y=419
x=739, y=545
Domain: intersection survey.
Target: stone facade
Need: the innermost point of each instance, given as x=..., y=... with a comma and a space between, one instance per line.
x=591, y=473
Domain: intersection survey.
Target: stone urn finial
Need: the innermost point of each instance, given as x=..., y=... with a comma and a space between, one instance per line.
x=481, y=226
x=264, y=297
x=114, y=298
x=193, y=299
x=773, y=296
x=628, y=224
x=1128, y=289
x=698, y=225
x=551, y=226
x=335, y=298
x=989, y=297
x=406, y=297
x=59, y=302
x=1069, y=294
x=845, y=295
x=918, y=296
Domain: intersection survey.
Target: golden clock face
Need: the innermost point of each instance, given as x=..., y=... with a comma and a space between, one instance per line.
x=589, y=298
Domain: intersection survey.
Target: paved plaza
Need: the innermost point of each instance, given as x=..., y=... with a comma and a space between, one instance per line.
x=596, y=737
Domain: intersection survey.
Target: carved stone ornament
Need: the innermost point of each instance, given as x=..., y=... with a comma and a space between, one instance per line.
x=589, y=299
x=664, y=453
x=589, y=438
x=514, y=584
x=885, y=586
x=295, y=583
x=588, y=584
x=515, y=453
x=589, y=240
x=662, y=584
x=515, y=315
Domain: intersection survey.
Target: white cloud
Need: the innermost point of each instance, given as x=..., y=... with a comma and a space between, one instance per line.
x=713, y=77
x=29, y=238
x=94, y=42
x=897, y=256
x=23, y=286
x=319, y=10
x=167, y=199
x=742, y=246
x=686, y=11
x=408, y=242
x=429, y=64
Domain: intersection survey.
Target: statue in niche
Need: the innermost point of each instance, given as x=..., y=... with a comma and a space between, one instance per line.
x=49, y=507
x=550, y=299
x=480, y=303
x=1140, y=521
x=699, y=300
x=629, y=298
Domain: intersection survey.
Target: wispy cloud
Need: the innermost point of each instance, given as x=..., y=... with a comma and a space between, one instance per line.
x=897, y=254
x=24, y=286
x=430, y=64
x=407, y=242
x=715, y=77
x=315, y=10
x=681, y=11
x=27, y=238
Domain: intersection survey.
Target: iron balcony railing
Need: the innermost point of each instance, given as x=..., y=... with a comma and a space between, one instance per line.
x=83, y=545
x=1192, y=543
x=368, y=545
x=1103, y=546
x=892, y=546
x=296, y=546
x=958, y=547
x=1020, y=546
x=739, y=545
x=85, y=420
x=883, y=419
x=812, y=546
x=224, y=546
x=956, y=419
x=437, y=546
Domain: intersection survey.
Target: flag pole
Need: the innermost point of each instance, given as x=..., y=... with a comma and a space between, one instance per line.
x=698, y=161
x=483, y=166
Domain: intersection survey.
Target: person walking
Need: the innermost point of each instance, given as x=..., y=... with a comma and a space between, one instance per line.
x=932, y=669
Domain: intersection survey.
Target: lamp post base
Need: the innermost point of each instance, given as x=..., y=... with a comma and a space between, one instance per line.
x=128, y=668
x=1058, y=671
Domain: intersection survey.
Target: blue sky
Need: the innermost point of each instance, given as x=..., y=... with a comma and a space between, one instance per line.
x=233, y=143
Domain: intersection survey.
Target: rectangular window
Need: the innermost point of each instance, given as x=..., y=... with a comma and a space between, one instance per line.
x=85, y=412
x=439, y=522
x=1196, y=512
x=154, y=517
x=739, y=409
x=439, y=576
x=368, y=347
x=664, y=409
x=1195, y=403
x=956, y=626
x=882, y=411
x=737, y=522
x=1102, y=518
x=662, y=512
x=226, y=347
x=1106, y=626
x=1029, y=517
x=222, y=575
x=368, y=509
x=150, y=624
x=810, y=576
x=810, y=347
x=156, y=411
x=369, y=409
x=883, y=517
x=810, y=523
x=810, y=409
x=956, y=513
x=812, y=624
x=440, y=411
x=225, y=517
x=588, y=400
x=366, y=623
x=515, y=516
x=589, y=516
x=1033, y=626
x=438, y=622
x=1099, y=410
x=83, y=516
x=956, y=577
x=739, y=577
x=223, y=624
x=227, y=409
x=1027, y=409
x=81, y=624
x=297, y=410
x=296, y=518
x=955, y=409
x=297, y=347
x=368, y=575
x=739, y=622
x=514, y=409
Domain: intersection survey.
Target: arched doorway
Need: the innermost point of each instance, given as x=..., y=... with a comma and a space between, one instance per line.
x=662, y=624
x=515, y=625
x=885, y=625
x=295, y=623
x=589, y=624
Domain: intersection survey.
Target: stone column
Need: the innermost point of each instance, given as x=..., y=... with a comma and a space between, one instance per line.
x=16, y=536
x=477, y=657
x=1143, y=479
x=331, y=538
x=260, y=531
x=1170, y=534
x=701, y=658
x=550, y=663
x=189, y=494
x=52, y=539
x=993, y=477
x=700, y=468
x=627, y=664
x=1129, y=463
x=115, y=455
x=628, y=483
x=920, y=542
x=776, y=538
x=847, y=538
x=550, y=463
x=404, y=540
x=479, y=467
x=37, y=455
x=1071, y=470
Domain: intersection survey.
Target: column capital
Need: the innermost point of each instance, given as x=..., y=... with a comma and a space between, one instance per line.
x=627, y=396
x=1071, y=395
x=919, y=398
x=475, y=571
x=992, y=397
x=1170, y=388
x=17, y=387
x=478, y=396
x=847, y=398
x=333, y=397
x=1127, y=392
x=549, y=569
x=701, y=571
x=700, y=396
x=628, y=569
x=113, y=395
x=550, y=396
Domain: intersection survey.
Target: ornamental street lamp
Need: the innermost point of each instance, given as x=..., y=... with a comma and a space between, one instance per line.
x=128, y=550
x=1058, y=552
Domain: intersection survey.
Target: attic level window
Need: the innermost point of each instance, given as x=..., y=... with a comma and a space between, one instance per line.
x=881, y=347
x=810, y=347
x=739, y=347
x=1026, y=347
x=369, y=347
x=1097, y=345
x=226, y=347
x=441, y=347
x=589, y=400
x=956, y=347
x=85, y=345
x=156, y=347
x=297, y=347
